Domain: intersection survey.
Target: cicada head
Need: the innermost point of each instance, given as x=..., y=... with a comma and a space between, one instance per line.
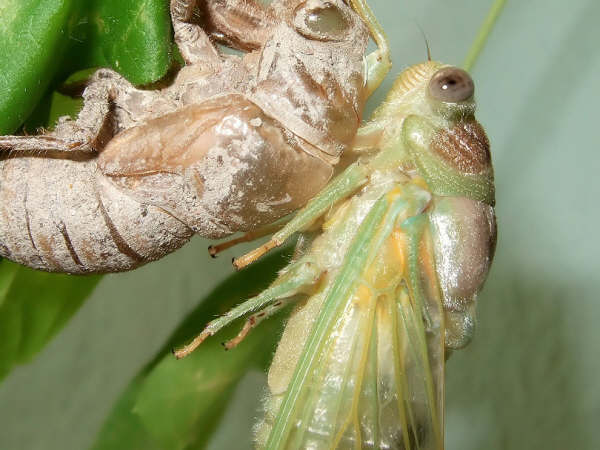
x=449, y=147
x=434, y=111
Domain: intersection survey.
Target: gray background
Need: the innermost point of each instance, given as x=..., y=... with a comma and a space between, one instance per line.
x=529, y=380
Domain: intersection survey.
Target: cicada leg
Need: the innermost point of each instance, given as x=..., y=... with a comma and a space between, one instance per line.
x=341, y=186
x=367, y=139
x=379, y=62
x=255, y=319
x=193, y=43
x=290, y=283
x=302, y=246
x=89, y=132
x=250, y=236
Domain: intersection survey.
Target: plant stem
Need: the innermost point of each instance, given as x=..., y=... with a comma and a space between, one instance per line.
x=484, y=32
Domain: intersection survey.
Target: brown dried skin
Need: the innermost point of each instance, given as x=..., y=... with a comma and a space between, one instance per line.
x=234, y=164
x=244, y=27
x=62, y=215
x=233, y=144
x=323, y=106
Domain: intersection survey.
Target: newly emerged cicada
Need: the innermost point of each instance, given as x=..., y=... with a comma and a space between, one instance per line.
x=233, y=143
x=404, y=240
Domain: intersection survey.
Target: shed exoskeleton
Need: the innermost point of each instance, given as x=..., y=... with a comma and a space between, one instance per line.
x=234, y=143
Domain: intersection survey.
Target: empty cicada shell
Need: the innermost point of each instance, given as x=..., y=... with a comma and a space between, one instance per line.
x=234, y=143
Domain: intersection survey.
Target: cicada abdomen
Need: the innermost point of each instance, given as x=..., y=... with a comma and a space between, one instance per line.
x=389, y=285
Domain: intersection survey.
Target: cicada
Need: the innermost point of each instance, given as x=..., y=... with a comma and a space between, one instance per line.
x=392, y=254
x=233, y=143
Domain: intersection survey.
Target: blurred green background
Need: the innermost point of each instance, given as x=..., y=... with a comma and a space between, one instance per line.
x=529, y=380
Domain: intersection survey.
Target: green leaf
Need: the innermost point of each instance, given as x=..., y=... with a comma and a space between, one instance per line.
x=34, y=305
x=131, y=36
x=44, y=40
x=34, y=36
x=175, y=404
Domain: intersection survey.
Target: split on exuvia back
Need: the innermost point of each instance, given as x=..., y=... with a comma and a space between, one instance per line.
x=388, y=285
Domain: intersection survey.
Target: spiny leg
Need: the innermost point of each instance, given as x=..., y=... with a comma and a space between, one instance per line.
x=214, y=250
x=340, y=187
x=379, y=62
x=291, y=282
x=89, y=132
x=367, y=139
x=193, y=43
x=255, y=319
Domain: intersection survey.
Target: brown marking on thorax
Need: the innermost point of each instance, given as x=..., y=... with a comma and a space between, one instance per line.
x=464, y=146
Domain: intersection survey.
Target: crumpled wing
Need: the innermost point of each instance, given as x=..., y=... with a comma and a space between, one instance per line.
x=377, y=381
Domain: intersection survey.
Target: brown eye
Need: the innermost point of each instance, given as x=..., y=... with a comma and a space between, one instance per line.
x=324, y=22
x=451, y=85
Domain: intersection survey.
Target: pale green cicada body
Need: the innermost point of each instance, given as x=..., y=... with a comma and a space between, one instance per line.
x=405, y=236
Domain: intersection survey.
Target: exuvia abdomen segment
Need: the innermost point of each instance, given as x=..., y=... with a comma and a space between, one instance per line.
x=63, y=215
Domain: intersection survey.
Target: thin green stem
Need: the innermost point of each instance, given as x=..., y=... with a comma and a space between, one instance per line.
x=482, y=36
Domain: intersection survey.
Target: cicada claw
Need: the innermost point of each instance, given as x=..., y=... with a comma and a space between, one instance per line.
x=250, y=257
x=189, y=348
x=214, y=250
x=255, y=319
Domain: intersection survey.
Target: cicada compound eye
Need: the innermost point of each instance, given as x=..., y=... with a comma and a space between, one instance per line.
x=451, y=85
x=322, y=21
